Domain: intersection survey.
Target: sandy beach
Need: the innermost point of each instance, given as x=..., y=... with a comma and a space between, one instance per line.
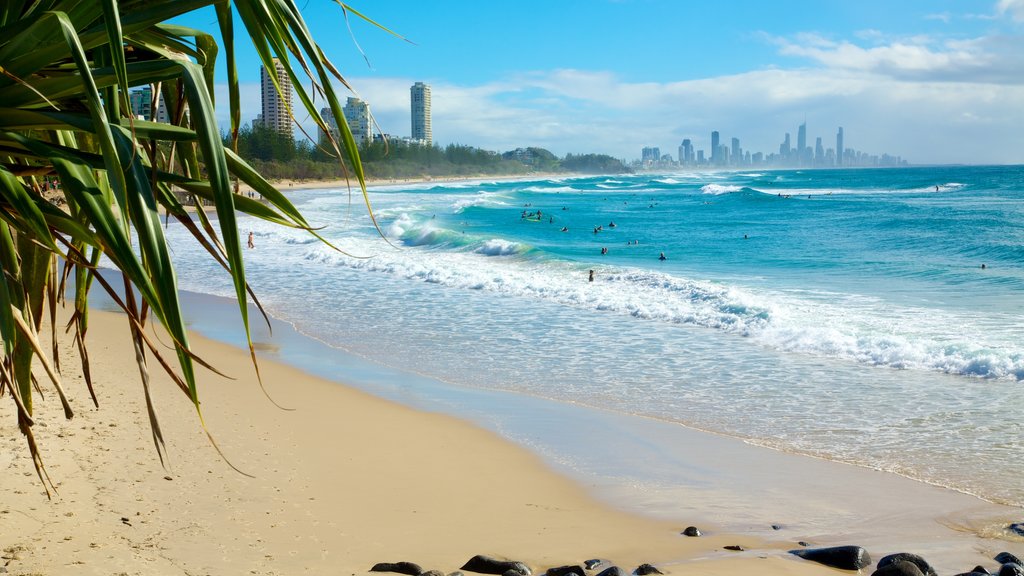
x=340, y=482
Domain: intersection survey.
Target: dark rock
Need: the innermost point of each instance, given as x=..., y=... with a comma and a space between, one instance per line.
x=842, y=557
x=456, y=573
x=487, y=565
x=1017, y=528
x=898, y=568
x=691, y=531
x=981, y=570
x=566, y=570
x=612, y=571
x=802, y=543
x=734, y=547
x=922, y=564
x=593, y=563
x=1011, y=569
x=974, y=573
x=1006, y=558
x=432, y=573
x=776, y=526
x=645, y=569
x=511, y=572
x=399, y=567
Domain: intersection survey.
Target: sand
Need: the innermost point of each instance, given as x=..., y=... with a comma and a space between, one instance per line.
x=340, y=482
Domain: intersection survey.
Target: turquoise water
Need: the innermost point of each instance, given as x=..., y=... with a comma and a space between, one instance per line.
x=839, y=313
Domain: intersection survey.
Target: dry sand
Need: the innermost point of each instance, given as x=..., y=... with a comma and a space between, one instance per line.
x=341, y=482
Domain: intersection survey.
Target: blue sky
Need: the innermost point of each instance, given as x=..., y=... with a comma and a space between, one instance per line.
x=933, y=81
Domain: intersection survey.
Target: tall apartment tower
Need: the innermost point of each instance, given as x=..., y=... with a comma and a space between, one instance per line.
x=686, y=152
x=276, y=106
x=715, y=153
x=801, y=143
x=839, y=147
x=357, y=114
x=419, y=96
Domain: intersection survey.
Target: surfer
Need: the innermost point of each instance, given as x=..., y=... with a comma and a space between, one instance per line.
x=591, y=275
x=604, y=250
x=662, y=256
x=611, y=224
x=936, y=187
x=565, y=228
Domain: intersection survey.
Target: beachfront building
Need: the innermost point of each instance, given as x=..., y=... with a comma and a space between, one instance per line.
x=839, y=147
x=141, y=102
x=419, y=95
x=276, y=105
x=357, y=115
x=332, y=125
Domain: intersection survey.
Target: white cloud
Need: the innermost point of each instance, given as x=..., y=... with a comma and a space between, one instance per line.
x=1015, y=9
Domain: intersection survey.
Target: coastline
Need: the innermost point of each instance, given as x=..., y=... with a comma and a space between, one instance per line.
x=348, y=479
x=340, y=482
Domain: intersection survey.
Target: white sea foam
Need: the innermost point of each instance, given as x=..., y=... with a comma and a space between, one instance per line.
x=719, y=189
x=499, y=247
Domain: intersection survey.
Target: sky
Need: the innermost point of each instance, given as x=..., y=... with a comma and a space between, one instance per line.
x=933, y=81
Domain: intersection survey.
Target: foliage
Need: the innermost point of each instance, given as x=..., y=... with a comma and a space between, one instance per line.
x=66, y=68
x=593, y=164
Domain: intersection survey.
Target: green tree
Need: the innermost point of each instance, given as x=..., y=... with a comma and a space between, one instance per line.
x=67, y=67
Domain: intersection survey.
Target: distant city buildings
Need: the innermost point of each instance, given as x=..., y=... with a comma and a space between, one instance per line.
x=276, y=105
x=801, y=156
x=419, y=96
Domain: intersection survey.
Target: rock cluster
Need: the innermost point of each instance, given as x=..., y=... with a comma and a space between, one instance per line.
x=481, y=564
x=901, y=564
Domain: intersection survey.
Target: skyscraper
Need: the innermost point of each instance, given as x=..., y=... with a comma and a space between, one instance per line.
x=801, y=142
x=686, y=152
x=420, y=104
x=715, y=152
x=785, y=149
x=737, y=152
x=839, y=147
x=276, y=106
x=357, y=114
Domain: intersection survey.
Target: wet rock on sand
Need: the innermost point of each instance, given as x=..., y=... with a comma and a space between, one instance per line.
x=400, y=567
x=487, y=565
x=1011, y=569
x=842, y=557
x=691, y=531
x=645, y=569
x=918, y=561
x=1017, y=528
x=593, y=563
x=566, y=570
x=1007, y=558
x=612, y=571
x=899, y=568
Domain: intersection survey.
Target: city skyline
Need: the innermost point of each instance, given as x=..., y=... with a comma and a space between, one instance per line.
x=932, y=81
x=787, y=156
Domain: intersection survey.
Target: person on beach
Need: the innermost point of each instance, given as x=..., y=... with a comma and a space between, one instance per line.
x=251, y=243
x=662, y=256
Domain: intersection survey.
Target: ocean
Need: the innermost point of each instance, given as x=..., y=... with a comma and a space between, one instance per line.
x=868, y=316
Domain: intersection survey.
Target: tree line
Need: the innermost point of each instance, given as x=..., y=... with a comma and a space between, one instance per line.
x=278, y=156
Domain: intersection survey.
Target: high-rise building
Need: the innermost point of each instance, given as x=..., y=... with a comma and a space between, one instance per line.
x=737, y=152
x=357, y=114
x=785, y=149
x=801, y=142
x=141, y=101
x=715, y=152
x=332, y=126
x=686, y=152
x=276, y=105
x=839, y=147
x=819, y=152
x=419, y=95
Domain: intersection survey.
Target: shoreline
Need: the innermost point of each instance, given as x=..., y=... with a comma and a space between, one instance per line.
x=452, y=492
x=344, y=481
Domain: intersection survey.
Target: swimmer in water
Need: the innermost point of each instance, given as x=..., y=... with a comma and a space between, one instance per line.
x=591, y=275
x=662, y=256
